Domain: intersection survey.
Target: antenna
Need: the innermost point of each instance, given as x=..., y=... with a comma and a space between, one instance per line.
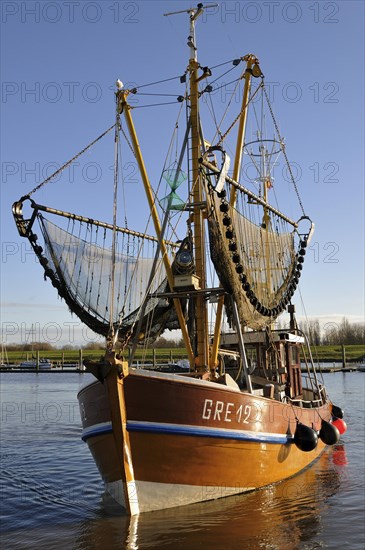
x=194, y=14
x=194, y=11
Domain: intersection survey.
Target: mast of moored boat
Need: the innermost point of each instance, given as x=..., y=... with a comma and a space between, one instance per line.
x=201, y=344
x=250, y=60
x=201, y=313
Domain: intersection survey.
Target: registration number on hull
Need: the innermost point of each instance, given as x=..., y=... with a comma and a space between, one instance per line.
x=226, y=412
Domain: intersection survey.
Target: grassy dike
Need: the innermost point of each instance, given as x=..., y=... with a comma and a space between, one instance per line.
x=327, y=354
x=354, y=353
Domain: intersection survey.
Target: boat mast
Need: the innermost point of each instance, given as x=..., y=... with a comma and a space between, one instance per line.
x=247, y=75
x=197, y=188
x=201, y=349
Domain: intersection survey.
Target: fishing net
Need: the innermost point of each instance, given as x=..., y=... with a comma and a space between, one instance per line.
x=267, y=257
x=256, y=261
x=80, y=262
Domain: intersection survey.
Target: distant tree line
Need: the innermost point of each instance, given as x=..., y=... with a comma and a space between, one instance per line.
x=45, y=346
x=169, y=344
x=333, y=334
x=35, y=346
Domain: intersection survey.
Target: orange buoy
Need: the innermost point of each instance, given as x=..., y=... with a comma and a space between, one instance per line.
x=340, y=425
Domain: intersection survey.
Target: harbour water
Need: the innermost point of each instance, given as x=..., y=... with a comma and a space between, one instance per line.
x=52, y=497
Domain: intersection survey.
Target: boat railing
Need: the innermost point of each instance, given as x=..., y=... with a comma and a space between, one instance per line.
x=311, y=371
x=304, y=402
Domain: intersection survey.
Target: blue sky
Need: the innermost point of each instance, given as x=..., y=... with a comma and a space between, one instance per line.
x=59, y=64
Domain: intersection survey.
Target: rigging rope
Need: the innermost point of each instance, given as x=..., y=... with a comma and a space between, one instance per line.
x=223, y=74
x=162, y=95
x=179, y=77
x=218, y=126
x=157, y=82
x=225, y=84
x=155, y=104
x=70, y=161
x=238, y=116
x=283, y=149
x=115, y=200
x=226, y=63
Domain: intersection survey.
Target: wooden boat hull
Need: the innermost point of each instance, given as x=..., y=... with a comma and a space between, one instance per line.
x=191, y=440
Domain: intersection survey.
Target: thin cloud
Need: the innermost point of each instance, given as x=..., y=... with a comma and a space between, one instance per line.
x=20, y=305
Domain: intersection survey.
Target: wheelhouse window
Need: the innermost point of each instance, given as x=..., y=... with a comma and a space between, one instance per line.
x=294, y=355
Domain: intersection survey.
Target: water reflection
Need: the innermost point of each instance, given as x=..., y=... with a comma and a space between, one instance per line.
x=339, y=456
x=286, y=515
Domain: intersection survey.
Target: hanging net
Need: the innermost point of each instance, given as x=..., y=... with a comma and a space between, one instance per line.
x=79, y=261
x=258, y=262
x=85, y=269
x=267, y=257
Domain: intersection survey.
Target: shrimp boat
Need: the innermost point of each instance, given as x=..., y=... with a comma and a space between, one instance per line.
x=220, y=264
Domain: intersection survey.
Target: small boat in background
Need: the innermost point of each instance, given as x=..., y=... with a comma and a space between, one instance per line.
x=42, y=364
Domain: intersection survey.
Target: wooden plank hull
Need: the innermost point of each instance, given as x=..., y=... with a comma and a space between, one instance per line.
x=191, y=440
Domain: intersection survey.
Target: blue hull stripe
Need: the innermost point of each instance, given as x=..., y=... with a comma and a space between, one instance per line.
x=201, y=431
x=97, y=429
x=197, y=431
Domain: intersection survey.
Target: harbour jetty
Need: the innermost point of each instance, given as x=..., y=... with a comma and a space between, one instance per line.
x=340, y=359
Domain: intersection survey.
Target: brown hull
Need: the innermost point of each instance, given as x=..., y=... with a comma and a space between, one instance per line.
x=191, y=440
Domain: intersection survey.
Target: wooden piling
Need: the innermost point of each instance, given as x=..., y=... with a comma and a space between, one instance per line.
x=343, y=356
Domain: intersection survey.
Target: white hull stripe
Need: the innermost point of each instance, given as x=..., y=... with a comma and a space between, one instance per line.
x=178, y=429
x=157, y=496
